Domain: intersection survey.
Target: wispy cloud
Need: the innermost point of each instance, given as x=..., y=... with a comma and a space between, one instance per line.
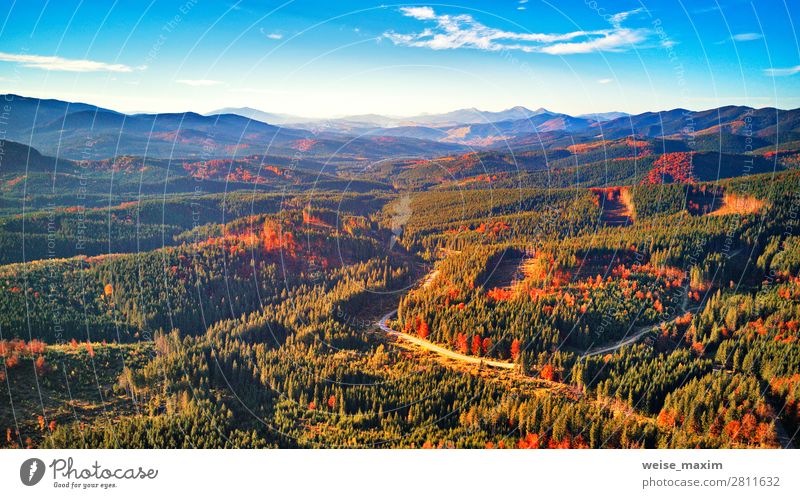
x=463, y=31
x=617, y=19
x=53, y=63
x=605, y=81
x=199, y=82
x=271, y=36
x=782, y=71
x=743, y=37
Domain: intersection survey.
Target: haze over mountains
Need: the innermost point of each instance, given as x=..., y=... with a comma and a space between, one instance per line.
x=459, y=116
x=448, y=126
x=84, y=131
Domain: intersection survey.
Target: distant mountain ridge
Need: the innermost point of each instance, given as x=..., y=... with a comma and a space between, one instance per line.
x=520, y=126
x=84, y=131
x=265, y=117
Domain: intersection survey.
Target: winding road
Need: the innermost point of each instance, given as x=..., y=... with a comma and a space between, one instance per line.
x=641, y=331
x=383, y=324
x=427, y=280
x=429, y=346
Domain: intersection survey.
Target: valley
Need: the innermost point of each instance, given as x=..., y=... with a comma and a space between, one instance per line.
x=510, y=279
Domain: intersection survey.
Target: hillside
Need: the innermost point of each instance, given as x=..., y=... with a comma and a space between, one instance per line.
x=563, y=291
x=535, y=303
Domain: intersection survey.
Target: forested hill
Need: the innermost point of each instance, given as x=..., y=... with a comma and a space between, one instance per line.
x=637, y=291
x=283, y=352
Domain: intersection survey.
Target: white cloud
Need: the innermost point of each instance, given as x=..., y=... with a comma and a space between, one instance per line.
x=617, y=19
x=271, y=36
x=746, y=37
x=53, y=63
x=612, y=42
x=782, y=71
x=199, y=82
x=605, y=81
x=420, y=13
x=463, y=31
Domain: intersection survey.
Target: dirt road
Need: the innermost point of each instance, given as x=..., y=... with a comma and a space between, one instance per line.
x=429, y=346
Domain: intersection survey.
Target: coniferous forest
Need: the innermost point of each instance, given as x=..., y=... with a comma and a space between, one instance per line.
x=633, y=291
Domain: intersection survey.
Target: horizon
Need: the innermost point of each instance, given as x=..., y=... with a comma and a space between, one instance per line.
x=215, y=111
x=403, y=59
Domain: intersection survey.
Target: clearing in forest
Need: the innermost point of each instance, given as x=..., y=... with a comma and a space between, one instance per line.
x=738, y=204
x=714, y=201
x=511, y=272
x=616, y=205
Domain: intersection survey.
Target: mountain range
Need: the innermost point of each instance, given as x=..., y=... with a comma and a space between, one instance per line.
x=84, y=131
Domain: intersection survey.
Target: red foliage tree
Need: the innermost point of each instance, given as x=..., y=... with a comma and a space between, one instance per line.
x=530, y=441
x=422, y=328
x=666, y=419
x=547, y=372
x=12, y=361
x=462, y=343
x=40, y=365
x=36, y=347
x=515, y=349
x=674, y=167
x=500, y=294
x=732, y=429
x=487, y=345
x=476, y=345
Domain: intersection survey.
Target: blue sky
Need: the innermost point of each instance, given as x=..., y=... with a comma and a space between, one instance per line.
x=333, y=58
